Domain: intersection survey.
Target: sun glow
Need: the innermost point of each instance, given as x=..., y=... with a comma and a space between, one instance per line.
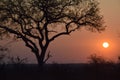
x=105, y=44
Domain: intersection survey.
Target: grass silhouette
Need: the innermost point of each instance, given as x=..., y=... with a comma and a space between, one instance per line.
x=97, y=69
x=61, y=72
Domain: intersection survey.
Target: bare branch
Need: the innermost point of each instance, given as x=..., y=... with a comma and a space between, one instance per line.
x=26, y=40
x=10, y=30
x=48, y=56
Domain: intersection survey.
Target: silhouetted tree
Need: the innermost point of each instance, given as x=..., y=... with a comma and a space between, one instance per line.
x=3, y=51
x=118, y=60
x=17, y=60
x=39, y=22
x=96, y=59
x=1, y=58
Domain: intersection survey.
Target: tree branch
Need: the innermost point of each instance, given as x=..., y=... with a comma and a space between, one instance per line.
x=10, y=30
x=63, y=33
x=48, y=56
x=26, y=40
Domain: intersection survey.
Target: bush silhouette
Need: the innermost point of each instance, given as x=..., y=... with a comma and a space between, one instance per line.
x=95, y=59
x=3, y=50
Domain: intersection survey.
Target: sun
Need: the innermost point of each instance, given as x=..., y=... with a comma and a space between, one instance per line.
x=105, y=44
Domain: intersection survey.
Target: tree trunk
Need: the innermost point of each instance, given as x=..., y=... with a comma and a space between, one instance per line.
x=41, y=61
x=41, y=58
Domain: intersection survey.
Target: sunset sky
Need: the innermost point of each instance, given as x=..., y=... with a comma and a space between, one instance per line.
x=77, y=47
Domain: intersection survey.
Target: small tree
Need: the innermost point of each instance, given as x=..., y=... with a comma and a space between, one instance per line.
x=38, y=22
x=3, y=51
x=118, y=59
x=95, y=59
x=17, y=60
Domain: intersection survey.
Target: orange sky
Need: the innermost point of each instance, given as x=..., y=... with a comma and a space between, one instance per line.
x=81, y=44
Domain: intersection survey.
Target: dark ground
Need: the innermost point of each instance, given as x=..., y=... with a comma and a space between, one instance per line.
x=61, y=72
